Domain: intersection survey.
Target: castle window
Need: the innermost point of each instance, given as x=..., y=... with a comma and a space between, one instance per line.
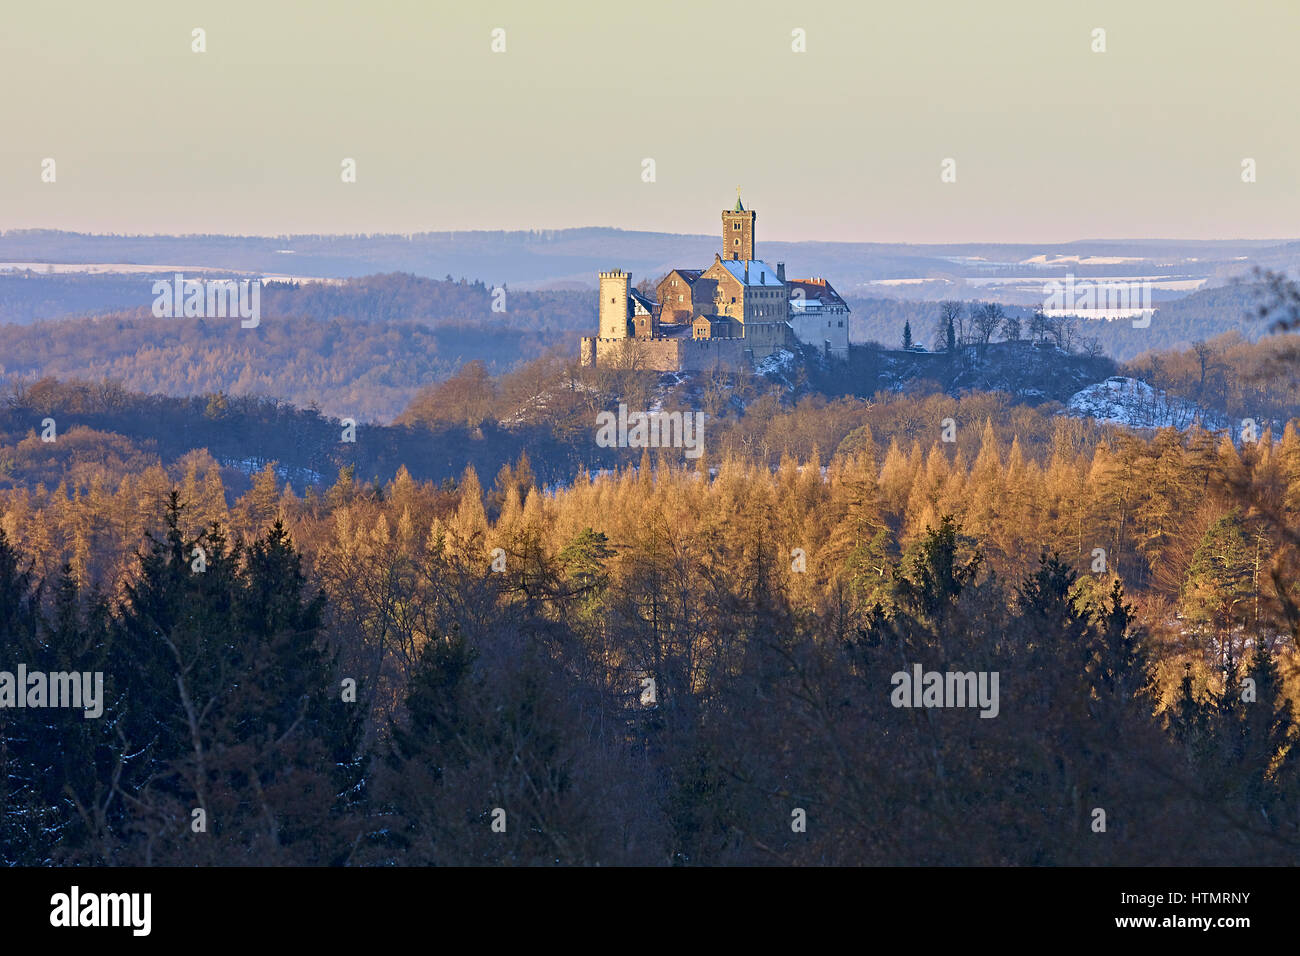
x=736, y=242
x=735, y=226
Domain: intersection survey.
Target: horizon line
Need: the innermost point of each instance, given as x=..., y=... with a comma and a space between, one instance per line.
x=1283, y=240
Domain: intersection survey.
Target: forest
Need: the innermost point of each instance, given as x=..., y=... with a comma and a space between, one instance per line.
x=381, y=672
x=473, y=637
x=360, y=349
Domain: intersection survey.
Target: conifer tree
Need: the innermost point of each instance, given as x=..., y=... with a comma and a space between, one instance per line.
x=225, y=700
x=26, y=813
x=1216, y=596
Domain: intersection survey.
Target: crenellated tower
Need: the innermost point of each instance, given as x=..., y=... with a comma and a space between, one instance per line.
x=615, y=288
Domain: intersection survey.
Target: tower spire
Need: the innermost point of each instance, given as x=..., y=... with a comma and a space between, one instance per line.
x=738, y=231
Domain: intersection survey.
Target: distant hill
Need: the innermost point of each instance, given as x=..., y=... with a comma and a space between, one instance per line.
x=360, y=349
x=1177, y=323
x=103, y=427
x=26, y=297
x=1195, y=318
x=562, y=257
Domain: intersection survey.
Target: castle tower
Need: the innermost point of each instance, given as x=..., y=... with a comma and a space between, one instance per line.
x=614, y=291
x=738, y=231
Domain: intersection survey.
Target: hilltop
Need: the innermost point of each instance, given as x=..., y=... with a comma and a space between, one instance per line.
x=1030, y=373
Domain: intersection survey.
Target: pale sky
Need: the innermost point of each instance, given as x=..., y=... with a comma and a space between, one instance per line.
x=845, y=141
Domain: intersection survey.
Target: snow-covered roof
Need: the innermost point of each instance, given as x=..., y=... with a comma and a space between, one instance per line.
x=806, y=306
x=760, y=273
x=639, y=304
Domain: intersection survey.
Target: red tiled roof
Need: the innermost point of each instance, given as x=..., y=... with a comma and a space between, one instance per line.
x=817, y=288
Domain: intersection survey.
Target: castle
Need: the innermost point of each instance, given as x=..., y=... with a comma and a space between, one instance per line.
x=735, y=313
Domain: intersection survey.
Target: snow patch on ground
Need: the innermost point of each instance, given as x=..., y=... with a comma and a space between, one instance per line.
x=1133, y=403
x=251, y=466
x=778, y=363
x=530, y=409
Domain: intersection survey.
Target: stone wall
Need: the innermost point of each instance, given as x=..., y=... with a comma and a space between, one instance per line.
x=704, y=354
x=764, y=338
x=665, y=355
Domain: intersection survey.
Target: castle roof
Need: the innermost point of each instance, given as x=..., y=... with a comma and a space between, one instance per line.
x=739, y=207
x=690, y=275
x=816, y=290
x=760, y=273
x=636, y=298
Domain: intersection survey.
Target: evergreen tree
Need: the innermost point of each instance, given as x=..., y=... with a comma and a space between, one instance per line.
x=1119, y=666
x=1217, y=593
x=225, y=700
x=1255, y=729
x=934, y=571
x=25, y=815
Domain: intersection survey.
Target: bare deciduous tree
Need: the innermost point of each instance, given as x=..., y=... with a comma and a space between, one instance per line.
x=986, y=318
x=950, y=313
